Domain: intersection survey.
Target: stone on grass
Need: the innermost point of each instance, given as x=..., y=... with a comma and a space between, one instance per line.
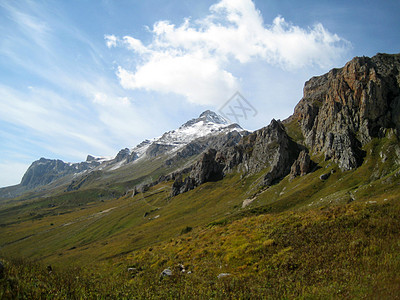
x=222, y=275
x=165, y=273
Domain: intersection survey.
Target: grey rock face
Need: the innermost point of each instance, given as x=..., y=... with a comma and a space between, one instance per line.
x=125, y=154
x=201, y=144
x=158, y=149
x=44, y=171
x=207, y=168
x=269, y=148
x=122, y=154
x=302, y=166
x=344, y=109
x=272, y=150
x=180, y=187
x=90, y=158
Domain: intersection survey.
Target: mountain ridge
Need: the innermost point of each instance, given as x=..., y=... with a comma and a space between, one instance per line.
x=340, y=112
x=209, y=124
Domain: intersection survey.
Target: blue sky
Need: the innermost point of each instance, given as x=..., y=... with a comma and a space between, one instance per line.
x=85, y=77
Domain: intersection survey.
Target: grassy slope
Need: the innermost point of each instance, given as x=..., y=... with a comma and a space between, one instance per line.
x=313, y=237
x=346, y=251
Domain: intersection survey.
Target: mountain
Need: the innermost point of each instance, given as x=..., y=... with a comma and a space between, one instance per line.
x=188, y=140
x=346, y=108
x=307, y=207
x=339, y=114
x=44, y=171
x=206, y=125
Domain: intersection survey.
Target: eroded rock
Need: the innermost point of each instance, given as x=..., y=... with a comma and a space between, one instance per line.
x=302, y=166
x=344, y=109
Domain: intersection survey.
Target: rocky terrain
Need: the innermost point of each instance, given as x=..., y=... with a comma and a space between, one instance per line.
x=344, y=109
x=189, y=140
x=339, y=113
x=269, y=149
x=44, y=171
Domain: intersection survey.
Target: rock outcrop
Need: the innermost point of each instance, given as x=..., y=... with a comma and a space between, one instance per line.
x=45, y=171
x=76, y=184
x=339, y=113
x=125, y=154
x=199, y=145
x=269, y=148
x=344, y=109
x=207, y=168
x=302, y=166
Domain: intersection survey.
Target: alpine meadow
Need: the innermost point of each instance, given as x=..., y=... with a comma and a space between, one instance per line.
x=305, y=207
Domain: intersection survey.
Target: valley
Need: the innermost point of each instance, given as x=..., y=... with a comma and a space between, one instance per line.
x=307, y=207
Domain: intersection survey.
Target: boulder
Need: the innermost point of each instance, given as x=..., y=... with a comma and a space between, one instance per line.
x=222, y=275
x=325, y=176
x=302, y=166
x=165, y=273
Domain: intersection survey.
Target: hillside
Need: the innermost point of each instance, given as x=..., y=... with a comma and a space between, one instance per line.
x=304, y=207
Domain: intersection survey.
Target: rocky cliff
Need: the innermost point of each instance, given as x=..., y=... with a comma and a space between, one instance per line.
x=44, y=171
x=344, y=109
x=340, y=112
x=268, y=151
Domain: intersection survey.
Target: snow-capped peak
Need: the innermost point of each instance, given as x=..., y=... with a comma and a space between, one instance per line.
x=208, y=117
x=208, y=123
x=100, y=159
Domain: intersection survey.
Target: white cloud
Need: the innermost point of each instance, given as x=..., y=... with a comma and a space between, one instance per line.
x=134, y=44
x=11, y=172
x=111, y=40
x=52, y=118
x=199, y=79
x=193, y=59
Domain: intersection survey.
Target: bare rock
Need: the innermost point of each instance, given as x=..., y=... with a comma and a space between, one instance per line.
x=222, y=275
x=325, y=176
x=268, y=148
x=179, y=186
x=302, y=166
x=44, y=171
x=344, y=109
x=165, y=273
x=207, y=168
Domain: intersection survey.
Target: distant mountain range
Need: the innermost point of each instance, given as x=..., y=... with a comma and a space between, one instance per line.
x=340, y=113
x=209, y=127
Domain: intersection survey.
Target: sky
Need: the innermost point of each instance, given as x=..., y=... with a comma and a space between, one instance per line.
x=83, y=77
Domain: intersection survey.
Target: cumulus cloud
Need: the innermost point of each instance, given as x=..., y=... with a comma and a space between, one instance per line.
x=111, y=40
x=193, y=59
